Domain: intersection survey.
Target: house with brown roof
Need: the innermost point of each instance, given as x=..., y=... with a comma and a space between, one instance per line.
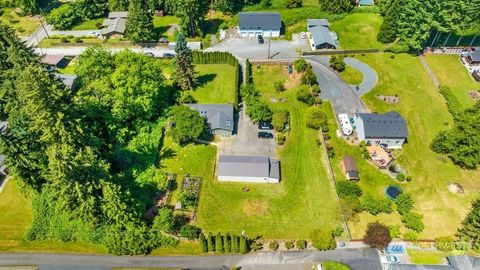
x=350, y=168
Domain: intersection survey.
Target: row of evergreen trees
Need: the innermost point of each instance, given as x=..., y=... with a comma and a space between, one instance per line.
x=224, y=243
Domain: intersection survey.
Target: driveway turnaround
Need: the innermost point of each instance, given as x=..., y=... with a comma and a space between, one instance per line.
x=246, y=141
x=358, y=259
x=370, y=76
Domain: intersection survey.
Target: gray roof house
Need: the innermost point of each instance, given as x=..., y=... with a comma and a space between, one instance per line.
x=2, y=165
x=254, y=169
x=389, y=129
x=68, y=80
x=320, y=35
x=3, y=127
x=251, y=24
x=115, y=24
x=473, y=57
x=219, y=117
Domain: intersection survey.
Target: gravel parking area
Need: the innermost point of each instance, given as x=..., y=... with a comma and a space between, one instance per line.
x=246, y=141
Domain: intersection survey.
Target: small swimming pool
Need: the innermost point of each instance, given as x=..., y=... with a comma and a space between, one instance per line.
x=392, y=192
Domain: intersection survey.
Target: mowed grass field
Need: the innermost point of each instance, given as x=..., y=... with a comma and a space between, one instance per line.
x=304, y=200
x=450, y=72
x=216, y=84
x=426, y=114
x=351, y=75
x=358, y=31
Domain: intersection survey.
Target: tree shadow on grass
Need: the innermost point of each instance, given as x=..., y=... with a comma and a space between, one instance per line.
x=161, y=31
x=211, y=26
x=204, y=79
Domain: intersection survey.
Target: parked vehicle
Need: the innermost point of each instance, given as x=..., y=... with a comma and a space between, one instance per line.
x=265, y=126
x=168, y=55
x=390, y=259
x=163, y=40
x=265, y=135
x=150, y=54
x=260, y=39
x=93, y=34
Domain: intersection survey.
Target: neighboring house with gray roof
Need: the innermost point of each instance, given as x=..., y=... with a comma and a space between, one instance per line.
x=389, y=129
x=254, y=169
x=219, y=117
x=3, y=127
x=116, y=24
x=3, y=168
x=252, y=24
x=320, y=36
x=68, y=80
x=473, y=57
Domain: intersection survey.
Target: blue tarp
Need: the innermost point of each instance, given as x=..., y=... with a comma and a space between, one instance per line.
x=366, y=3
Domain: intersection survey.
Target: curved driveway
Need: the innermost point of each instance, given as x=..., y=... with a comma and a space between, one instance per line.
x=370, y=76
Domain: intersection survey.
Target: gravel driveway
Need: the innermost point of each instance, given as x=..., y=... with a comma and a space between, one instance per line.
x=246, y=141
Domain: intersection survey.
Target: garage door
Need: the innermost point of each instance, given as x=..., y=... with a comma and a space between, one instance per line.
x=243, y=34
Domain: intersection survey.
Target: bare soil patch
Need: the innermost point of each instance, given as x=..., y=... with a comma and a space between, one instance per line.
x=455, y=188
x=293, y=79
x=475, y=95
x=255, y=208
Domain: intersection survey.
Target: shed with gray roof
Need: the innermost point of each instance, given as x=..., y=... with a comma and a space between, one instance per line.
x=254, y=169
x=319, y=34
x=458, y=262
x=252, y=24
x=3, y=168
x=388, y=130
x=473, y=57
x=68, y=79
x=219, y=117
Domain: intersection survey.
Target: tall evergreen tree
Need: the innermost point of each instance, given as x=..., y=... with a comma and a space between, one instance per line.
x=28, y=6
x=210, y=243
x=192, y=15
x=219, y=243
x=139, y=28
x=203, y=243
x=470, y=230
x=184, y=68
x=234, y=243
x=226, y=243
x=90, y=9
x=118, y=5
x=243, y=246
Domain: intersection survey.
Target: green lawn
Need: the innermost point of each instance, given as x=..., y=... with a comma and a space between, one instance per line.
x=358, y=31
x=23, y=25
x=302, y=202
x=450, y=72
x=162, y=24
x=351, y=75
x=89, y=24
x=426, y=114
x=56, y=42
x=216, y=84
x=426, y=257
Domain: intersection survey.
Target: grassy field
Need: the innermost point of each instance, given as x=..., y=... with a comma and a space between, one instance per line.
x=451, y=72
x=351, y=75
x=358, y=31
x=426, y=114
x=216, y=84
x=302, y=202
x=162, y=24
x=89, y=24
x=23, y=25
x=426, y=257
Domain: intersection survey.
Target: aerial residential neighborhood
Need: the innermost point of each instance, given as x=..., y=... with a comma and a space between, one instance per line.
x=252, y=134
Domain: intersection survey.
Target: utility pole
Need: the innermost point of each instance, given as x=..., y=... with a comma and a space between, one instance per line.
x=269, y=42
x=41, y=22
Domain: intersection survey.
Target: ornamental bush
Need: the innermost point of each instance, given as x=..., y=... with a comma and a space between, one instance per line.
x=323, y=240
x=273, y=245
x=413, y=221
x=377, y=235
x=348, y=188
x=445, y=243
x=376, y=206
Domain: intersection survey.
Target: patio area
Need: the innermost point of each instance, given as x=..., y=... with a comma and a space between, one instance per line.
x=379, y=156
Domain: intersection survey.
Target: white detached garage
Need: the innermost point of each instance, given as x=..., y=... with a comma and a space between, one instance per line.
x=253, y=169
x=252, y=24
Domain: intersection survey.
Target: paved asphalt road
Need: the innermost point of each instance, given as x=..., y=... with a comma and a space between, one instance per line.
x=358, y=259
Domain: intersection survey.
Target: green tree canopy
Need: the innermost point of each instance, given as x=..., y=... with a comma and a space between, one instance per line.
x=139, y=28
x=188, y=124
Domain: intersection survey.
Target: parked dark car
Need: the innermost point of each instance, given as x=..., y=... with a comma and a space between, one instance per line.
x=260, y=39
x=149, y=54
x=265, y=126
x=168, y=55
x=163, y=40
x=265, y=135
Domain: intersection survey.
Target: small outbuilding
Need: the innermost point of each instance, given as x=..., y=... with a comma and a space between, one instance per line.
x=253, y=169
x=350, y=168
x=69, y=80
x=320, y=36
x=53, y=60
x=473, y=57
x=252, y=24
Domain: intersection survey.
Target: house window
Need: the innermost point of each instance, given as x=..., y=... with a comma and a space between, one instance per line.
x=251, y=27
x=229, y=123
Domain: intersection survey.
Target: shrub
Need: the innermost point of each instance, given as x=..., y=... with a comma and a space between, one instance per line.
x=338, y=231
x=309, y=77
x=410, y=236
x=280, y=120
x=395, y=231
x=289, y=245
x=189, y=231
x=314, y=117
x=316, y=89
x=293, y=3
x=304, y=95
x=243, y=246
x=350, y=207
x=203, y=243
x=77, y=40
x=408, y=178
x=273, y=245
x=301, y=244
x=279, y=86
x=444, y=243
x=376, y=206
x=401, y=177
x=413, y=221
x=323, y=240
x=300, y=65
x=210, y=243
x=347, y=189
x=259, y=111
x=337, y=63
x=404, y=203
x=63, y=40
x=219, y=243
x=377, y=235
x=281, y=138
x=70, y=37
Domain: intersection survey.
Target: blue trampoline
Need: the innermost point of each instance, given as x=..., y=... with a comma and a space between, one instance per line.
x=392, y=192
